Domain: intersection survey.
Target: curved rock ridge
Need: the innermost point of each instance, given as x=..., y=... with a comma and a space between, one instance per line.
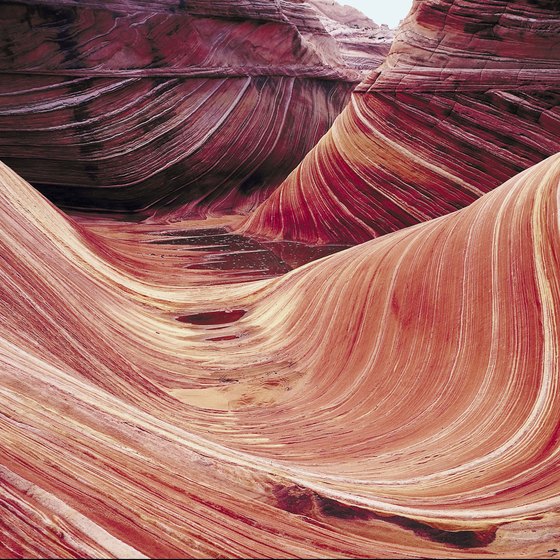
x=125, y=106
x=468, y=97
x=74, y=38
x=130, y=428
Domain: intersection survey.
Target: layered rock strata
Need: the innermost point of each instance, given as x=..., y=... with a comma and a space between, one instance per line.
x=364, y=44
x=143, y=416
x=468, y=97
x=130, y=106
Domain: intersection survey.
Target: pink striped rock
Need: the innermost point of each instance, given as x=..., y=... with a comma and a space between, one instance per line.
x=468, y=97
x=400, y=398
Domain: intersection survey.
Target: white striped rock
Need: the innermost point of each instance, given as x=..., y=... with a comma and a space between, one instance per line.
x=400, y=398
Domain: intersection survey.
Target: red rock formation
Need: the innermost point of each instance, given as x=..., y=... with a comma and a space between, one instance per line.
x=172, y=390
x=364, y=44
x=120, y=105
x=400, y=398
x=468, y=97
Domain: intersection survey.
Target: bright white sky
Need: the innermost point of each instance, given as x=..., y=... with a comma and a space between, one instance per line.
x=382, y=11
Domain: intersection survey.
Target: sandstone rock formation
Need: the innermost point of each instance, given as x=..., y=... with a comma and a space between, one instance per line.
x=176, y=387
x=122, y=105
x=143, y=415
x=364, y=44
x=468, y=97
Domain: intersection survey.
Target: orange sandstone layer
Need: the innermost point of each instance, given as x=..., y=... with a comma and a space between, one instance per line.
x=399, y=398
x=468, y=97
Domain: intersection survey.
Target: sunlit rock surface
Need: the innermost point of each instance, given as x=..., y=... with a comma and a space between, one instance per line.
x=134, y=106
x=468, y=97
x=400, y=398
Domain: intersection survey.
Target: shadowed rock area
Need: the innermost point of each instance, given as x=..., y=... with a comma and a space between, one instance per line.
x=135, y=106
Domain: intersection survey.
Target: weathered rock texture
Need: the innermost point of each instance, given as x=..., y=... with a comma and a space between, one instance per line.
x=121, y=105
x=400, y=398
x=364, y=44
x=468, y=97
x=181, y=390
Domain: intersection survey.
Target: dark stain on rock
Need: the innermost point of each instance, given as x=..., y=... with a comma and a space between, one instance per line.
x=483, y=31
x=81, y=113
x=294, y=499
x=173, y=30
x=212, y=237
x=212, y=317
x=333, y=508
x=157, y=57
x=87, y=146
x=92, y=170
x=90, y=148
x=150, y=125
x=458, y=539
x=218, y=338
x=304, y=501
x=254, y=182
x=200, y=232
x=65, y=18
x=546, y=4
x=7, y=48
x=77, y=85
x=158, y=80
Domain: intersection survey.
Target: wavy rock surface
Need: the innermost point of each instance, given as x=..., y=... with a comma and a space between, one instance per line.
x=125, y=106
x=143, y=414
x=468, y=97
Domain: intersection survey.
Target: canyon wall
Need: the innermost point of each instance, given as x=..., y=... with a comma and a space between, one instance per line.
x=130, y=106
x=363, y=43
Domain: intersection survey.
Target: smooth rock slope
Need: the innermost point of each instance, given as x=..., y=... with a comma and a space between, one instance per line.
x=130, y=428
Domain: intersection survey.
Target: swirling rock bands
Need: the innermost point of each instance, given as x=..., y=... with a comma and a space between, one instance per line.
x=467, y=98
x=236, y=128
x=126, y=431
x=400, y=398
x=192, y=109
